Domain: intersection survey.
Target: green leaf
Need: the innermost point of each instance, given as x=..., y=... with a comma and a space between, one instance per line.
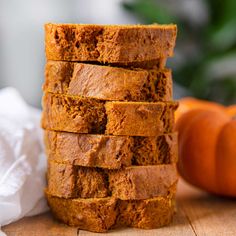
x=224, y=37
x=149, y=11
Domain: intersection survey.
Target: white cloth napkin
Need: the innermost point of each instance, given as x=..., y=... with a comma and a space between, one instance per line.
x=22, y=160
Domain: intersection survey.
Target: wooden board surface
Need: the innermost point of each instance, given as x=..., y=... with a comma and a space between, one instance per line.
x=197, y=214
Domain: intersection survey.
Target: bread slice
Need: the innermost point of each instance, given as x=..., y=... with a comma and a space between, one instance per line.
x=94, y=214
x=111, y=152
x=140, y=119
x=121, y=44
x=107, y=83
x=146, y=214
x=135, y=182
x=102, y=214
x=87, y=115
x=79, y=115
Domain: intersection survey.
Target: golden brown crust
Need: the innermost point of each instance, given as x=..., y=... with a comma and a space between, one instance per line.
x=109, y=44
x=110, y=152
x=107, y=83
x=86, y=115
x=135, y=182
x=102, y=214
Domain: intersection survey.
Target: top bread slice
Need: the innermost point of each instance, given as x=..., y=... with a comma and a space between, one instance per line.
x=115, y=44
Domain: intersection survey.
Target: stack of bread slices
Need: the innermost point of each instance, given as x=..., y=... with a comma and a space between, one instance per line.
x=108, y=117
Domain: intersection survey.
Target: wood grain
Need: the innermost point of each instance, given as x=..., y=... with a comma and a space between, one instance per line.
x=42, y=225
x=197, y=214
x=207, y=214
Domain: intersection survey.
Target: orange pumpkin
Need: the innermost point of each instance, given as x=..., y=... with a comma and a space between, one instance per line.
x=189, y=103
x=231, y=110
x=207, y=148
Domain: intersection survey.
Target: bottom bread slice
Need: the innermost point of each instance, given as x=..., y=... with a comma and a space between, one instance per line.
x=102, y=214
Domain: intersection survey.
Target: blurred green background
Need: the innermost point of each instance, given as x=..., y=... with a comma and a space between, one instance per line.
x=204, y=65
x=205, y=60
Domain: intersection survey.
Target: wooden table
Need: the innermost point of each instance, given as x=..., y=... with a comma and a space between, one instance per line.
x=197, y=214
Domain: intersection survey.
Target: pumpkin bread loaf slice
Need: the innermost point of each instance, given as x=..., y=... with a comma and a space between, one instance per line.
x=110, y=152
x=140, y=118
x=142, y=182
x=87, y=115
x=135, y=182
x=93, y=214
x=90, y=150
x=121, y=44
x=68, y=181
x=149, y=213
x=102, y=214
x=66, y=113
x=107, y=83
